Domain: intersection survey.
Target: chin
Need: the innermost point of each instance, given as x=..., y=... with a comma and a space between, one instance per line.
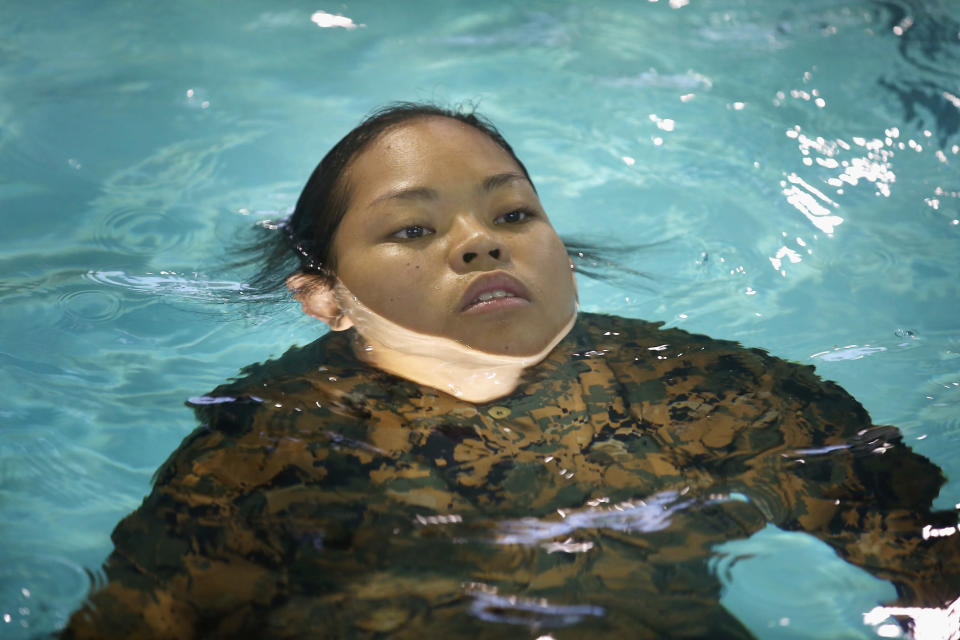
x=505, y=344
x=520, y=335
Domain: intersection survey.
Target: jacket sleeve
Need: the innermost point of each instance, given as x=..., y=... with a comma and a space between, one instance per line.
x=856, y=486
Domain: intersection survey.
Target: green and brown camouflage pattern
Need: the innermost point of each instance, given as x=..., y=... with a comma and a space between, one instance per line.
x=321, y=498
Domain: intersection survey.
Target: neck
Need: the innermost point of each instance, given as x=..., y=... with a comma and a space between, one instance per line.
x=441, y=363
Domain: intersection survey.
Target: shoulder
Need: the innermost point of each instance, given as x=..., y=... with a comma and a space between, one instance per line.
x=321, y=371
x=268, y=408
x=682, y=360
x=256, y=382
x=623, y=334
x=331, y=350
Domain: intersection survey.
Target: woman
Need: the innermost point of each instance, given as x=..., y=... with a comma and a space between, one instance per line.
x=466, y=456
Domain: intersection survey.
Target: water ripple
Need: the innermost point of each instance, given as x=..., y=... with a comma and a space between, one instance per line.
x=928, y=43
x=155, y=206
x=181, y=286
x=928, y=36
x=142, y=230
x=40, y=463
x=91, y=305
x=38, y=592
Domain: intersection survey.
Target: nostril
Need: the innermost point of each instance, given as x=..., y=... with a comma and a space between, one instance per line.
x=467, y=257
x=495, y=254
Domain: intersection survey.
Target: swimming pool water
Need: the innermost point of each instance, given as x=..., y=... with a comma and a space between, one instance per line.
x=792, y=167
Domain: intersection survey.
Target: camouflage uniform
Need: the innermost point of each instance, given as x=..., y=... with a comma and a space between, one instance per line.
x=321, y=498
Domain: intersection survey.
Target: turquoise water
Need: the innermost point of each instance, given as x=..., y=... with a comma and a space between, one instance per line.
x=795, y=166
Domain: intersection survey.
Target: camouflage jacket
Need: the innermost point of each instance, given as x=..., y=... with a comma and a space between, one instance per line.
x=322, y=498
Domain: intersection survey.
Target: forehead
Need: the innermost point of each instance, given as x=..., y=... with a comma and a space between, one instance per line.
x=427, y=151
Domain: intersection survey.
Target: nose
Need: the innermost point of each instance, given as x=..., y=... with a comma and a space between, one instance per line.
x=479, y=248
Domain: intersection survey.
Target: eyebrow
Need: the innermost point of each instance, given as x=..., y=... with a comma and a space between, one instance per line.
x=489, y=183
x=501, y=179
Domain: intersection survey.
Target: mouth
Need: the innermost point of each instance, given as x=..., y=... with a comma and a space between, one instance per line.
x=494, y=292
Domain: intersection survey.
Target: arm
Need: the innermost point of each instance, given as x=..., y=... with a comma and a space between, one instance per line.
x=249, y=528
x=186, y=557
x=859, y=488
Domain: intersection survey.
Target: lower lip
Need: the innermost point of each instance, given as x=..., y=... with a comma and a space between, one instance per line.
x=496, y=304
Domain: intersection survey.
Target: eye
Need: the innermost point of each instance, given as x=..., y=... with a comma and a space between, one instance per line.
x=513, y=217
x=412, y=232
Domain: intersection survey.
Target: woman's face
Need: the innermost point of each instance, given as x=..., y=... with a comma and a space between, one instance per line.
x=446, y=237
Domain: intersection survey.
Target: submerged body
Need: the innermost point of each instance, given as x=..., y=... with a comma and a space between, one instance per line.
x=325, y=498
x=456, y=461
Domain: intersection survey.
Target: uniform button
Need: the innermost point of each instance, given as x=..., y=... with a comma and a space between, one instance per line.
x=498, y=412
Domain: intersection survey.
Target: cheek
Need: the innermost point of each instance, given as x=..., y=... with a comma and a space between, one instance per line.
x=405, y=281
x=390, y=283
x=554, y=263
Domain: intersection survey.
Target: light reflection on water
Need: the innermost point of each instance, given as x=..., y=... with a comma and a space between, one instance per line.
x=176, y=286
x=639, y=516
x=488, y=605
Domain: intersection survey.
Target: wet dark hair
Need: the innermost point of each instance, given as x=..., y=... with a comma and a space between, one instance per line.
x=303, y=241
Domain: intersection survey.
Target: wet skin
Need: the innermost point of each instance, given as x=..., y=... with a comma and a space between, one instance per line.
x=440, y=219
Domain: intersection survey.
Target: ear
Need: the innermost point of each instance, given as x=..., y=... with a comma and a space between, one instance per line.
x=317, y=299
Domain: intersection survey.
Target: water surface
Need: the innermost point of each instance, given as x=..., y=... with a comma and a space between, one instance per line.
x=796, y=166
